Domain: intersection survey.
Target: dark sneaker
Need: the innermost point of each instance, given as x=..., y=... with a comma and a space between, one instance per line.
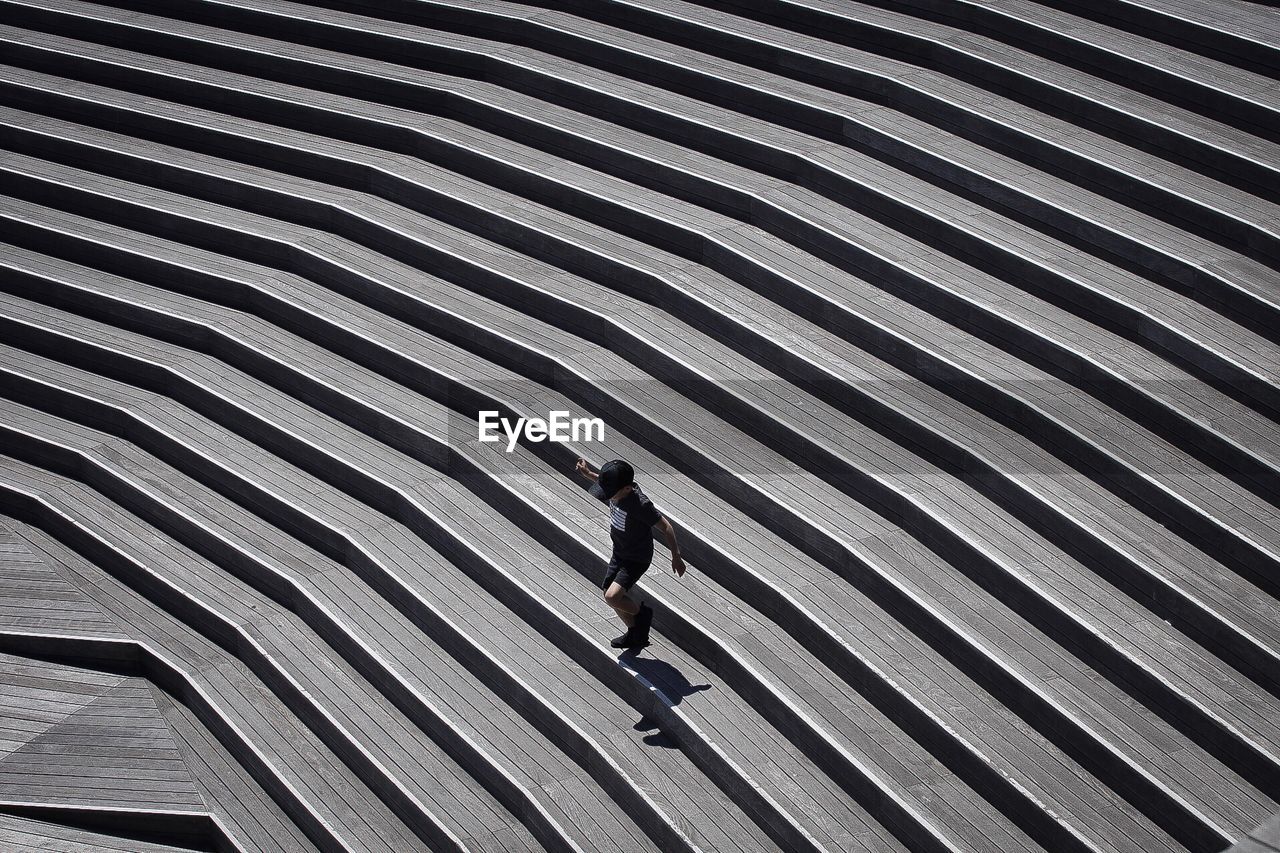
x=636, y=641
x=637, y=635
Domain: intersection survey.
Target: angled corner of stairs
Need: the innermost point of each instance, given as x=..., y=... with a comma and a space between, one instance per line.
x=947, y=335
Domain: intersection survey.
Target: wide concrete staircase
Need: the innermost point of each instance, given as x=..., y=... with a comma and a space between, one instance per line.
x=946, y=332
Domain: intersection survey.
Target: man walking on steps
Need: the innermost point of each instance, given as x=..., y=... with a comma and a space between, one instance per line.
x=631, y=517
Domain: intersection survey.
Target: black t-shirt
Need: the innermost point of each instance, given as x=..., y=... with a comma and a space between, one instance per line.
x=629, y=524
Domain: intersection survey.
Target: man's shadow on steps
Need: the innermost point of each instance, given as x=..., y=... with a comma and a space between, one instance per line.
x=670, y=681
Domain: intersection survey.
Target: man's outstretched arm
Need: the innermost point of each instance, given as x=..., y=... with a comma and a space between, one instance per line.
x=669, y=534
x=584, y=468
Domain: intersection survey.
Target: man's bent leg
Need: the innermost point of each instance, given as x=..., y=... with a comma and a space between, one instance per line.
x=625, y=606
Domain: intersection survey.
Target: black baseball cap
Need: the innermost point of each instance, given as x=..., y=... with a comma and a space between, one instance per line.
x=613, y=476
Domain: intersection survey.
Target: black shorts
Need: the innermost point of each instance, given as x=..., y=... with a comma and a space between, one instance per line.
x=624, y=571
